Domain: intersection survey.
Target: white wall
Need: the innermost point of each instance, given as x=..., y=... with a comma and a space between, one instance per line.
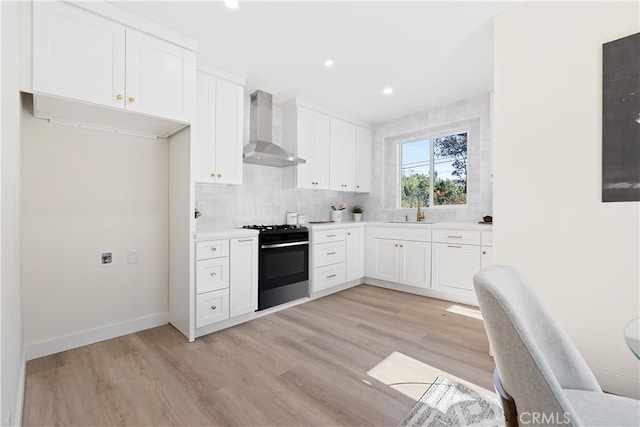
x=581, y=255
x=12, y=358
x=85, y=191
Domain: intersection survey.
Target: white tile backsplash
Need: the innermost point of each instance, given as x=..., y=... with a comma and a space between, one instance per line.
x=261, y=199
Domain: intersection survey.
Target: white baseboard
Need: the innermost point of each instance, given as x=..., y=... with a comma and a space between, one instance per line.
x=67, y=342
x=617, y=384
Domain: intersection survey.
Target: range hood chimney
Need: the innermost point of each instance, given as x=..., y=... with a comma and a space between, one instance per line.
x=261, y=150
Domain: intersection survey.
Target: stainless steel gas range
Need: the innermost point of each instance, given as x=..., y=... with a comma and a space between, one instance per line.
x=283, y=265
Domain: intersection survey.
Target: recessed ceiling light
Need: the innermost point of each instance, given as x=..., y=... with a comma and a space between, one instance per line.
x=328, y=63
x=231, y=4
x=387, y=90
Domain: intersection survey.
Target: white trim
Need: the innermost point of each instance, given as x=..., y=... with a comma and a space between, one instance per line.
x=90, y=336
x=425, y=292
x=301, y=102
x=621, y=385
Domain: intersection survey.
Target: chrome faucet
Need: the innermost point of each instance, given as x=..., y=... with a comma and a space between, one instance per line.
x=419, y=215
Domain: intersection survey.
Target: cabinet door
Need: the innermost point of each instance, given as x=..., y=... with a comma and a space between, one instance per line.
x=454, y=266
x=415, y=263
x=385, y=261
x=243, y=288
x=321, y=146
x=78, y=55
x=202, y=129
x=486, y=258
x=364, y=161
x=228, y=132
x=160, y=76
x=305, y=135
x=355, y=253
x=342, y=174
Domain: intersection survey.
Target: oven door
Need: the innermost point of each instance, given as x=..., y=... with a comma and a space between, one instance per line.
x=282, y=264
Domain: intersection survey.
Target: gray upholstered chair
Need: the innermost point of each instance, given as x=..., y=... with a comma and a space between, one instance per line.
x=537, y=364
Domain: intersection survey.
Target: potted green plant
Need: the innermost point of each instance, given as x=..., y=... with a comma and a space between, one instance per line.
x=357, y=210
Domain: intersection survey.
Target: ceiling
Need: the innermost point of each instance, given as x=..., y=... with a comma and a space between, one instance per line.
x=431, y=52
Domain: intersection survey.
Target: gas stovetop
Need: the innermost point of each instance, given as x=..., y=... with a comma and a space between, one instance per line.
x=272, y=228
x=281, y=233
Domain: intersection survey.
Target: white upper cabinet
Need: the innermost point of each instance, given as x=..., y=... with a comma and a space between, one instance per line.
x=337, y=149
x=364, y=153
x=78, y=55
x=342, y=175
x=83, y=58
x=159, y=77
x=217, y=131
x=307, y=134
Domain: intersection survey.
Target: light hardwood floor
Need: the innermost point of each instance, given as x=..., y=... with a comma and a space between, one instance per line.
x=357, y=357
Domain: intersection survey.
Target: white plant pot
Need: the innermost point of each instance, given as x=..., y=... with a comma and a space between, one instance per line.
x=357, y=217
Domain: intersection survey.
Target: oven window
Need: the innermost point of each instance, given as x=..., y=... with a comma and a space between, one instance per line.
x=283, y=266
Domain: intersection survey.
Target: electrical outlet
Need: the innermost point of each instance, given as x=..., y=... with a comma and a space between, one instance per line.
x=132, y=256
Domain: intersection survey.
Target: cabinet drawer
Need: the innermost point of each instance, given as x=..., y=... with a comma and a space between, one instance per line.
x=212, y=249
x=487, y=238
x=212, y=274
x=465, y=237
x=212, y=307
x=399, y=233
x=326, y=277
x=328, y=236
x=328, y=253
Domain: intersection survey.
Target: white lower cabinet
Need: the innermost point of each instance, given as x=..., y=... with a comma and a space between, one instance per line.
x=243, y=291
x=486, y=258
x=402, y=261
x=354, y=257
x=455, y=259
x=337, y=256
x=226, y=279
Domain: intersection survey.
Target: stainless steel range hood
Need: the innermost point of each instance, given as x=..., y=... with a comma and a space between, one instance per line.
x=260, y=150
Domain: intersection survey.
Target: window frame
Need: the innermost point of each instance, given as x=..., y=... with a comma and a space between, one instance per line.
x=431, y=136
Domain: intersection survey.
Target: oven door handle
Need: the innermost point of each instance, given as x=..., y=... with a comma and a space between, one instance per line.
x=284, y=245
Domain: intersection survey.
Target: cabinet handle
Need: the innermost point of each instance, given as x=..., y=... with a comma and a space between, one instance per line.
x=213, y=307
x=213, y=175
x=331, y=235
x=401, y=246
x=213, y=249
x=219, y=175
x=455, y=237
x=331, y=253
x=213, y=275
x=329, y=277
x=132, y=99
x=348, y=234
x=484, y=252
x=454, y=246
x=119, y=96
x=245, y=240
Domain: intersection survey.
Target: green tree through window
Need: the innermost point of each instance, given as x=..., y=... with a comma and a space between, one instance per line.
x=446, y=174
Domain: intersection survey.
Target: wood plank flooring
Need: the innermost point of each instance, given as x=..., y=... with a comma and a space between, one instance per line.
x=359, y=357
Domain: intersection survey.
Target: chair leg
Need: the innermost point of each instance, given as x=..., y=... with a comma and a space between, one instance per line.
x=508, y=404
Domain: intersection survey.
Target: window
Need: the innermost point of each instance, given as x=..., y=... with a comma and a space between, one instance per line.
x=438, y=163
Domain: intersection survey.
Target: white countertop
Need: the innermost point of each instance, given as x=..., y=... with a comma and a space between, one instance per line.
x=421, y=225
x=231, y=233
